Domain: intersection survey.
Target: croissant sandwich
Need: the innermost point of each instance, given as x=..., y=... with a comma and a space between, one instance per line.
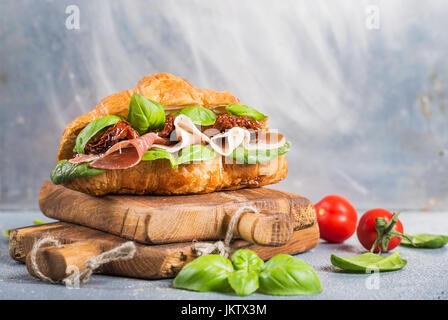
x=166, y=136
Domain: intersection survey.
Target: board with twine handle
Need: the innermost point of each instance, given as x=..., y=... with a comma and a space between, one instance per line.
x=169, y=219
x=149, y=261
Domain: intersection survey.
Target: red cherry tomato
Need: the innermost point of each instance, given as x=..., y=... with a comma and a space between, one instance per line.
x=367, y=233
x=336, y=217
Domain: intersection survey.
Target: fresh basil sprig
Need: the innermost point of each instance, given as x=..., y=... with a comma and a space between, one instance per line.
x=243, y=110
x=244, y=281
x=281, y=275
x=425, y=240
x=157, y=153
x=199, y=115
x=64, y=171
x=241, y=155
x=372, y=261
x=206, y=273
x=92, y=129
x=286, y=275
x=145, y=114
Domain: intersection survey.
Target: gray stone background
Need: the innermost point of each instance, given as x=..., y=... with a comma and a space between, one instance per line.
x=365, y=109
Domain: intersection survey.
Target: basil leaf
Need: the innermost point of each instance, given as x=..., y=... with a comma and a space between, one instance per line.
x=197, y=152
x=199, y=115
x=286, y=275
x=243, y=282
x=425, y=240
x=362, y=262
x=247, y=260
x=157, y=153
x=6, y=232
x=242, y=110
x=64, y=171
x=241, y=155
x=92, y=129
x=206, y=273
x=145, y=114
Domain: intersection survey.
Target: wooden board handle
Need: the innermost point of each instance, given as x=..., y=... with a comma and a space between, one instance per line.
x=58, y=263
x=267, y=228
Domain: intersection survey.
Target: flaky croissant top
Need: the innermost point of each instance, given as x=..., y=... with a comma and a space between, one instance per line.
x=157, y=176
x=173, y=92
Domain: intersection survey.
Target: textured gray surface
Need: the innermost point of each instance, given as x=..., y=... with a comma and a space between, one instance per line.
x=366, y=110
x=424, y=277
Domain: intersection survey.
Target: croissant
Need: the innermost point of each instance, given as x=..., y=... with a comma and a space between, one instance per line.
x=158, y=176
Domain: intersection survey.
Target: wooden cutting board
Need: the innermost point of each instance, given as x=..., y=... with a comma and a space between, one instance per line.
x=169, y=219
x=149, y=262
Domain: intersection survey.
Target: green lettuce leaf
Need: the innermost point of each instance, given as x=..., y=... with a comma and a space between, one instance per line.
x=241, y=155
x=197, y=152
x=157, y=153
x=92, y=129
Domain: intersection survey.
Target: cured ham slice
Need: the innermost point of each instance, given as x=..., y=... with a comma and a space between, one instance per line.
x=80, y=158
x=122, y=155
x=187, y=134
x=223, y=143
x=226, y=142
x=125, y=154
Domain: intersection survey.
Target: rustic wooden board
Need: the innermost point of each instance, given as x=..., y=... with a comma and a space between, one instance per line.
x=149, y=262
x=170, y=219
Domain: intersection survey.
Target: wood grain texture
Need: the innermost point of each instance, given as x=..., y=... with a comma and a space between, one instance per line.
x=169, y=219
x=149, y=262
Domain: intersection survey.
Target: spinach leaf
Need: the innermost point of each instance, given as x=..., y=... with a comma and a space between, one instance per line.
x=286, y=275
x=241, y=155
x=425, y=240
x=92, y=129
x=205, y=273
x=362, y=262
x=199, y=115
x=157, y=153
x=64, y=171
x=197, y=152
x=145, y=114
x=244, y=282
x=242, y=110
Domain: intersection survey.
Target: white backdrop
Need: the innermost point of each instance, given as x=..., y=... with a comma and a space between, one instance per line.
x=359, y=87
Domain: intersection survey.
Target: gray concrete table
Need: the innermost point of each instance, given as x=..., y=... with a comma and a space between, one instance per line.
x=424, y=277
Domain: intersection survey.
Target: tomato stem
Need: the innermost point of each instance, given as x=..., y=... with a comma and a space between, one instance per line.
x=385, y=232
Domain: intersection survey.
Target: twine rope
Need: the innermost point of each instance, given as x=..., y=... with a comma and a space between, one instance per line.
x=125, y=251
x=222, y=247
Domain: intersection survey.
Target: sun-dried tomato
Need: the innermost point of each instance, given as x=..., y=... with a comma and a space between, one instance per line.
x=168, y=127
x=122, y=130
x=228, y=121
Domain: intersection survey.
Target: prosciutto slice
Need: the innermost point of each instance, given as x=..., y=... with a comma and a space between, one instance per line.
x=122, y=155
x=187, y=134
x=225, y=143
